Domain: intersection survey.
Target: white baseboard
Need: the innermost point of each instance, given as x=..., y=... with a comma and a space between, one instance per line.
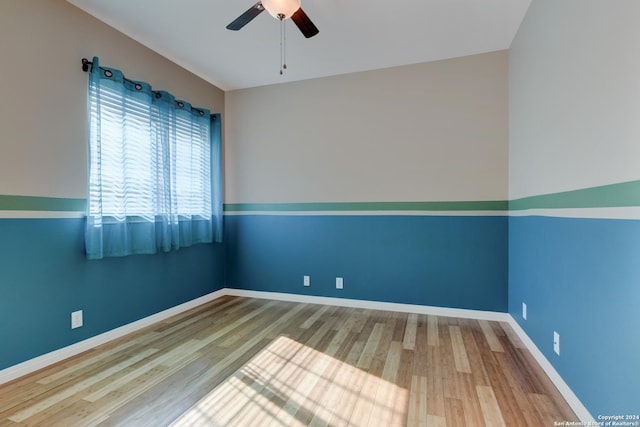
x=374, y=305
x=16, y=371
x=573, y=401
x=32, y=365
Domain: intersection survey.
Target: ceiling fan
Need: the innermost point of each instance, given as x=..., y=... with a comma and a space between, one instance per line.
x=281, y=10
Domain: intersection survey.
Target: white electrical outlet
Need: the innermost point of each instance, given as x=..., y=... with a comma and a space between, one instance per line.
x=524, y=311
x=76, y=319
x=339, y=283
x=556, y=342
x=307, y=281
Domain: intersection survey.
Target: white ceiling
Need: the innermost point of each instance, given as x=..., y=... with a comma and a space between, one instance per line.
x=355, y=35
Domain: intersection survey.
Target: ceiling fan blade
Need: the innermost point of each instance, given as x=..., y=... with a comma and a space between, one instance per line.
x=246, y=17
x=303, y=22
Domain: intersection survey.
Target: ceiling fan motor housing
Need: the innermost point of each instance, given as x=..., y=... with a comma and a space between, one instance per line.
x=276, y=8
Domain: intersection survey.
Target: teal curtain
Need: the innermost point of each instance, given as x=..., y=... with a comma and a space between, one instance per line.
x=154, y=169
x=216, y=176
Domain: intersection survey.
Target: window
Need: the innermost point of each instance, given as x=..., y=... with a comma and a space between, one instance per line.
x=154, y=169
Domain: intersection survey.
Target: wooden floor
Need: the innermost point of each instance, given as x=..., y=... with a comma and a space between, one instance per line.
x=245, y=362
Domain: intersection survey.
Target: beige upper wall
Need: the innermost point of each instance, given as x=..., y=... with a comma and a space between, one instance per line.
x=432, y=131
x=43, y=137
x=574, y=96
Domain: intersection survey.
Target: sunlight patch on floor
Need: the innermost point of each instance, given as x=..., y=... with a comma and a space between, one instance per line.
x=290, y=384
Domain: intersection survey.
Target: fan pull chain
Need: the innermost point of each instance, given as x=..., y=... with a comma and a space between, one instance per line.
x=284, y=48
x=281, y=48
x=283, y=45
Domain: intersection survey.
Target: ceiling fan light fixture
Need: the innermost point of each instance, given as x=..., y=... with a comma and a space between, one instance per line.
x=281, y=7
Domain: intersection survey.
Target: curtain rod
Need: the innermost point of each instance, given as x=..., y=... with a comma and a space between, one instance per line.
x=85, y=67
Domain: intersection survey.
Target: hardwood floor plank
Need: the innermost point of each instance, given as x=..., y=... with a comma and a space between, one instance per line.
x=474, y=353
x=516, y=370
x=405, y=370
x=459, y=351
x=308, y=378
x=321, y=374
x=332, y=403
x=433, y=336
x=546, y=409
x=511, y=334
x=409, y=341
x=357, y=319
x=329, y=397
x=318, y=312
x=455, y=412
x=417, y=415
x=349, y=398
x=436, y=421
x=470, y=402
x=500, y=384
x=490, y=336
x=382, y=350
x=544, y=385
x=399, y=320
x=490, y=409
x=519, y=387
x=388, y=396
x=435, y=385
x=370, y=347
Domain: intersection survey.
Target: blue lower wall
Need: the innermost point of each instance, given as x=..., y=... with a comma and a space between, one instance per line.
x=448, y=261
x=44, y=276
x=581, y=278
